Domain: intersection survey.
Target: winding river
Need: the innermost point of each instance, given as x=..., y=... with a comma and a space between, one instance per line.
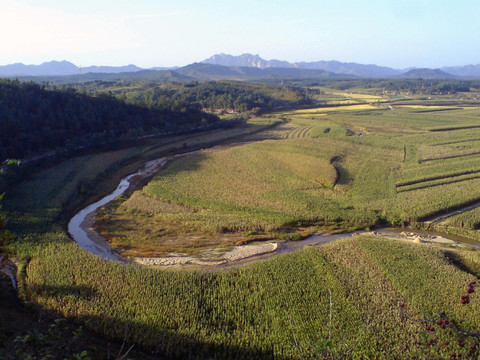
x=75, y=226
x=99, y=247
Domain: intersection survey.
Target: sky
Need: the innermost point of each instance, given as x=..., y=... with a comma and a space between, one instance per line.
x=148, y=33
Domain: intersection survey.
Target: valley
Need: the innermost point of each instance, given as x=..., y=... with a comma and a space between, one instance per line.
x=313, y=184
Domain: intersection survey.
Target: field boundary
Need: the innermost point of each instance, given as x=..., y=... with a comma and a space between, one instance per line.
x=449, y=212
x=449, y=157
x=455, y=128
x=433, y=178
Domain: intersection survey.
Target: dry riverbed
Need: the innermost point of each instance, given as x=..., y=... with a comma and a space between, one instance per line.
x=419, y=238
x=236, y=254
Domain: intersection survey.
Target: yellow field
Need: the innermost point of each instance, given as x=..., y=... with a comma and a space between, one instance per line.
x=328, y=109
x=427, y=107
x=343, y=169
x=366, y=97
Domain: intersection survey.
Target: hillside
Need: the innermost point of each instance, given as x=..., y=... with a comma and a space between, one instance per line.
x=60, y=68
x=66, y=68
x=465, y=71
x=201, y=71
x=245, y=60
x=35, y=121
x=426, y=74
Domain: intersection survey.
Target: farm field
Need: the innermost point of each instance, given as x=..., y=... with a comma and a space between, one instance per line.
x=348, y=170
x=33, y=206
x=278, y=308
x=289, y=175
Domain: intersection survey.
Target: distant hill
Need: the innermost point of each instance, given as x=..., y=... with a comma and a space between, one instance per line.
x=204, y=71
x=465, y=71
x=61, y=68
x=161, y=68
x=245, y=60
x=360, y=70
x=147, y=75
x=110, y=69
x=256, y=61
x=426, y=74
x=241, y=67
x=46, y=68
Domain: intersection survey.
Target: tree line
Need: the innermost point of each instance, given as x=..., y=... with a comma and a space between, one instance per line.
x=36, y=120
x=195, y=95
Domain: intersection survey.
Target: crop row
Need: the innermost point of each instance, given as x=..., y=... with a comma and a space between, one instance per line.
x=468, y=219
x=456, y=128
x=421, y=203
x=452, y=156
x=429, y=171
x=299, y=132
x=437, y=177
x=437, y=182
x=278, y=308
x=455, y=142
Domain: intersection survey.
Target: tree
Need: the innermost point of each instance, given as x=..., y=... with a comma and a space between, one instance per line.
x=5, y=236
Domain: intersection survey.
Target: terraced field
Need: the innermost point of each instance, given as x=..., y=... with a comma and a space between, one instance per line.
x=283, y=131
x=300, y=132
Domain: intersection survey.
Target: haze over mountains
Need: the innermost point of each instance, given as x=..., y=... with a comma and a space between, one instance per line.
x=338, y=67
x=59, y=68
x=242, y=67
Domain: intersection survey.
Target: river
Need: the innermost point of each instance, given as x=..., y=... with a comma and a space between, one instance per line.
x=95, y=244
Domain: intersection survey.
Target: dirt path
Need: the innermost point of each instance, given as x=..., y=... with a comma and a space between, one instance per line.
x=445, y=215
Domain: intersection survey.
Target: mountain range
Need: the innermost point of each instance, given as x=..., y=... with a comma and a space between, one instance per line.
x=338, y=67
x=354, y=69
x=242, y=67
x=59, y=68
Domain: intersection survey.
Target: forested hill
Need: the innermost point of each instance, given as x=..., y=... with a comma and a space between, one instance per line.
x=34, y=120
x=240, y=96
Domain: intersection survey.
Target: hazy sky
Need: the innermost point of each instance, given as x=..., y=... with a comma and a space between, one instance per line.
x=396, y=33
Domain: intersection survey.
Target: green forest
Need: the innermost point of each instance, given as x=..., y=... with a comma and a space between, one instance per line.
x=213, y=94
x=35, y=120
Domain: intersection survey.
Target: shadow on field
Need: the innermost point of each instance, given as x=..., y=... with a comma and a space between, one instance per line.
x=107, y=336
x=457, y=261
x=168, y=344
x=79, y=292
x=187, y=162
x=342, y=175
